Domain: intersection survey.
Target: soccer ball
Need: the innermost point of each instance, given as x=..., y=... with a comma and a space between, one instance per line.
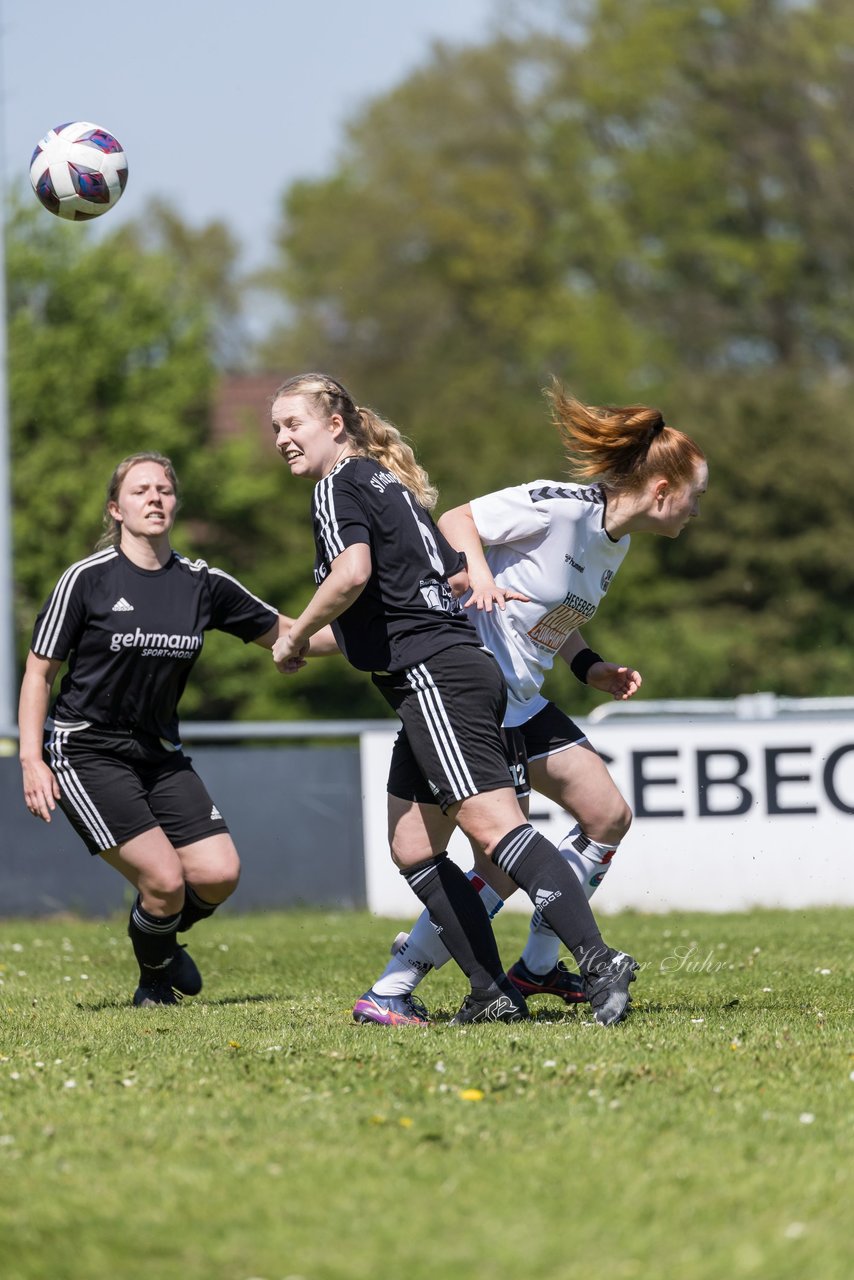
x=78, y=170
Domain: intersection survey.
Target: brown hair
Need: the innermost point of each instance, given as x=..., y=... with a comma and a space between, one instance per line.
x=112, y=534
x=370, y=434
x=621, y=447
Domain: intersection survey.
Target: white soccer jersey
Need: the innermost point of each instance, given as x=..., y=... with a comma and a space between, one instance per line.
x=547, y=540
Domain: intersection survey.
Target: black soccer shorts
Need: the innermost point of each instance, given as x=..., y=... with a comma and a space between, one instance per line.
x=549, y=732
x=451, y=745
x=115, y=787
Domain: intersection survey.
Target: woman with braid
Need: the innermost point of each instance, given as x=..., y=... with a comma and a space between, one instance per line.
x=541, y=557
x=382, y=572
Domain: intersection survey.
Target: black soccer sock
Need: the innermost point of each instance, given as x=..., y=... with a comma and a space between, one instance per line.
x=530, y=860
x=194, y=909
x=460, y=918
x=152, y=938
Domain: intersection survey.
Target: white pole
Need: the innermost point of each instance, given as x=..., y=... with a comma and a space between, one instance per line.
x=7, y=630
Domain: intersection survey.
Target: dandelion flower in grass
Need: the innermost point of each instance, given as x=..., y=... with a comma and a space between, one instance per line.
x=472, y=1095
x=377, y=1119
x=406, y=1122
x=234, y=1044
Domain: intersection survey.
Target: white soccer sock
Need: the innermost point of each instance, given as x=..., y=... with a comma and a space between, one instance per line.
x=590, y=861
x=424, y=949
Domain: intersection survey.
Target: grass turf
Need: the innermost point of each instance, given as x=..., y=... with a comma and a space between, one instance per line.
x=257, y=1133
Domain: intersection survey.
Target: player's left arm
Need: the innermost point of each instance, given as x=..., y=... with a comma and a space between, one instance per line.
x=620, y=682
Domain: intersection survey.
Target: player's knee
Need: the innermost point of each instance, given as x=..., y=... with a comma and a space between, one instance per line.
x=610, y=824
x=218, y=882
x=162, y=890
x=405, y=857
x=620, y=823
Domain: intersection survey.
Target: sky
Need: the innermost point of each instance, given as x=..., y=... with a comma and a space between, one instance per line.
x=219, y=104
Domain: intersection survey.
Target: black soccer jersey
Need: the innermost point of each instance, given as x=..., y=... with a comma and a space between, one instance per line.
x=406, y=612
x=131, y=637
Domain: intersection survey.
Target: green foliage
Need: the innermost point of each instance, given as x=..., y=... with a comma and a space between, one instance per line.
x=107, y=357
x=649, y=200
x=652, y=203
x=111, y=351
x=257, y=1131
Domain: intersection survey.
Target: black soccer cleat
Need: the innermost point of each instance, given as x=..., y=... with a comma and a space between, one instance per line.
x=499, y=1003
x=182, y=972
x=608, y=990
x=149, y=994
x=559, y=981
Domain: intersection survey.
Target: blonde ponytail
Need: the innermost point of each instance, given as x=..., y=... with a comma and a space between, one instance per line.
x=369, y=434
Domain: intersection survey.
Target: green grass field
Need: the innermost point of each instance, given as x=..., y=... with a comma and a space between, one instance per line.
x=256, y=1133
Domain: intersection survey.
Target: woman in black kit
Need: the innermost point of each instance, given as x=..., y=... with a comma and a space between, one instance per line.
x=130, y=621
x=382, y=572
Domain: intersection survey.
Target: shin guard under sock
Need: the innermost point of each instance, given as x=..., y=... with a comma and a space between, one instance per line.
x=537, y=867
x=459, y=916
x=424, y=949
x=152, y=938
x=194, y=909
x=589, y=860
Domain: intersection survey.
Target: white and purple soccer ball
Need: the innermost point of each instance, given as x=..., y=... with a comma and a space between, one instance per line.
x=78, y=170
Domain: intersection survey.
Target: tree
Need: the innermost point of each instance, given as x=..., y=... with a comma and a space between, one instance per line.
x=650, y=202
x=111, y=351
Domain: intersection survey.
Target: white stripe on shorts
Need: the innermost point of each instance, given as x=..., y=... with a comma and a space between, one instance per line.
x=75, y=793
x=441, y=733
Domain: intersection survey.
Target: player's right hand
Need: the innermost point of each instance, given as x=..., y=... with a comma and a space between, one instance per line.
x=41, y=789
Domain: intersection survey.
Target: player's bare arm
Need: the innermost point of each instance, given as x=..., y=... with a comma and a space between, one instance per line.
x=41, y=789
x=620, y=682
x=459, y=528
x=322, y=645
x=344, y=583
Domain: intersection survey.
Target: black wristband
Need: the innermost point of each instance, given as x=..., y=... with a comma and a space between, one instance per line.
x=582, y=662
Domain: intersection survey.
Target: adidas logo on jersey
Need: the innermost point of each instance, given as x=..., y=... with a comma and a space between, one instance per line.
x=122, y=606
x=215, y=813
